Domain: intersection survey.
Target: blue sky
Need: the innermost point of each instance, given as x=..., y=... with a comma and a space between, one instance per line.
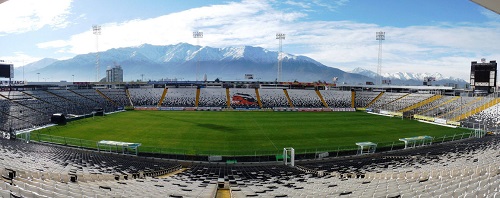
x=421, y=35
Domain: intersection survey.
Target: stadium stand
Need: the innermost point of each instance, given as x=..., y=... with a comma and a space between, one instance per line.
x=337, y=99
x=387, y=98
x=450, y=105
x=432, y=105
x=100, y=101
x=82, y=102
x=118, y=96
x=488, y=119
x=273, y=98
x=408, y=100
x=464, y=168
x=243, y=98
x=212, y=97
x=63, y=105
x=304, y=98
x=469, y=168
x=22, y=111
x=145, y=96
x=180, y=97
x=363, y=98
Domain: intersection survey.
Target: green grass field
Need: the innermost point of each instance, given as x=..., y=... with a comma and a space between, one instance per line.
x=245, y=133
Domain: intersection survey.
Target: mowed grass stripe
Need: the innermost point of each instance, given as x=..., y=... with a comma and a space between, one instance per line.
x=246, y=132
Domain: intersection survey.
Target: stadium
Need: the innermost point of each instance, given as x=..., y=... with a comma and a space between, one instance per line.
x=243, y=139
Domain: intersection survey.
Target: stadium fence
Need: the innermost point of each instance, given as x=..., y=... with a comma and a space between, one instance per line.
x=247, y=155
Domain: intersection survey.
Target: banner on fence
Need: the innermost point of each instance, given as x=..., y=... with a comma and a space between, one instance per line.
x=453, y=123
x=440, y=120
x=146, y=108
x=421, y=117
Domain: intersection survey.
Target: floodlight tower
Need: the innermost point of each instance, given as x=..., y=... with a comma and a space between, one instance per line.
x=97, y=31
x=198, y=35
x=380, y=36
x=280, y=37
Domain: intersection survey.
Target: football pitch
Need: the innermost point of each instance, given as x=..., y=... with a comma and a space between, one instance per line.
x=245, y=133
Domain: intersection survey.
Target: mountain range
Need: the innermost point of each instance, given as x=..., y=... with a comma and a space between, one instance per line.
x=405, y=78
x=190, y=62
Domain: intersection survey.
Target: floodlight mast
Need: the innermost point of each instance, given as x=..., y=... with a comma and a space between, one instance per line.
x=97, y=31
x=198, y=35
x=380, y=36
x=280, y=37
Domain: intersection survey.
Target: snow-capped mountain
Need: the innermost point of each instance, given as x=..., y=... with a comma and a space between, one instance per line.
x=364, y=72
x=409, y=78
x=186, y=61
x=184, y=52
x=190, y=62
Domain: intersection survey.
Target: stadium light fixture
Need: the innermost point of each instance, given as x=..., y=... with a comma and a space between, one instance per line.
x=280, y=37
x=197, y=35
x=380, y=36
x=96, y=29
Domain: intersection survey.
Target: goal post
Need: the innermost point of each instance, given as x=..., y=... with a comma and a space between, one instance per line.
x=286, y=152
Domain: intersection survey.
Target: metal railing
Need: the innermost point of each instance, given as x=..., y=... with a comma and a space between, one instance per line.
x=241, y=155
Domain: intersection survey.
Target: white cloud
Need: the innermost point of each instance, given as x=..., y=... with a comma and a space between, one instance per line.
x=309, y=6
x=20, y=16
x=245, y=23
x=53, y=44
x=444, y=48
x=331, y=5
x=299, y=4
x=490, y=14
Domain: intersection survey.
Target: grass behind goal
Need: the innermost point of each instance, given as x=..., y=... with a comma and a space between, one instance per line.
x=245, y=133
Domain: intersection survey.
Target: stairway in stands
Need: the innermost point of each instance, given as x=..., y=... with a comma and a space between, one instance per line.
x=128, y=97
x=321, y=98
x=440, y=105
x=258, y=97
x=197, y=101
x=105, y=97
x=288, y=98
x=163, y=96
x=394, y=101
x=447, y=115
x=477, y=110
x=421, y=103
x=375, y=99
x=228, y=98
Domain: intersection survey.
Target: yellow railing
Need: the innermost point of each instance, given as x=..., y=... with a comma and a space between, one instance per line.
x=197, y=97
x=446, y=102
x=228, y=98
x=163, y=96
x=375, y=99
x=258, y=97
x=422, y=103
x=458, y=109
x=290, y=103
x=477, y=110
x=321, y=98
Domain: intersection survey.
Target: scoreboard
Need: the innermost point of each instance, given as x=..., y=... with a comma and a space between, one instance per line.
x=483, y=76
x=6, y=70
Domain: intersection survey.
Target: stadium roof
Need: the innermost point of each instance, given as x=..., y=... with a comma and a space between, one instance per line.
x=493, y=5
